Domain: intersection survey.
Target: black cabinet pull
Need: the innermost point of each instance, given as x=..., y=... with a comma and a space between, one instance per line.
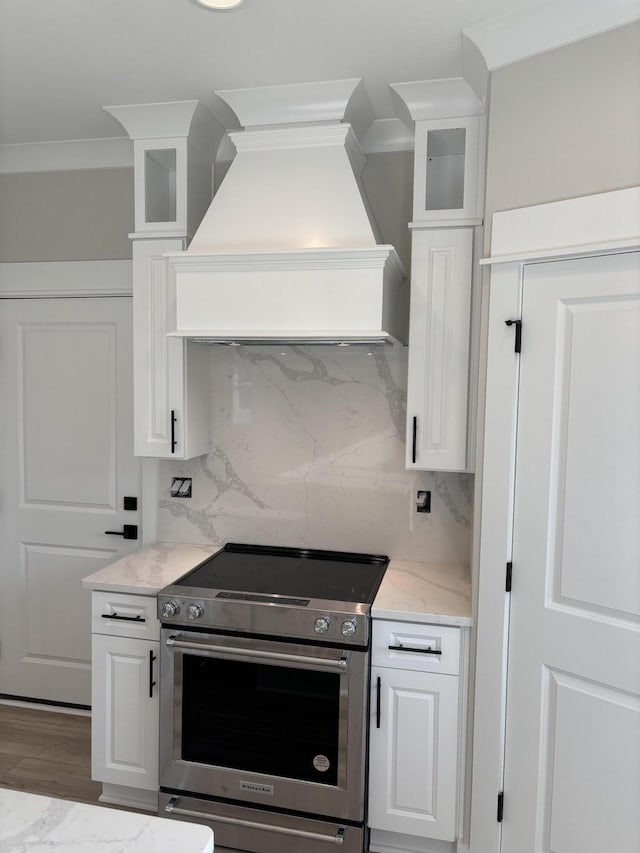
x=124, y=618
x=415, y=436
x=378, y=702
x=173, y=430
x=419, y=651
x=152, y=683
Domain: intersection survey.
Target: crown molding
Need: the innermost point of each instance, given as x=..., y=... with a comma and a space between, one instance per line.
x=546, y=26
x=67, y=155
x=302, y=103
x=155, y=121
x=384, y=135
x=171, y=120
x=448, y=97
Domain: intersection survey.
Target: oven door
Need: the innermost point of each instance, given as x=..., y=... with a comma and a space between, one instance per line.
x=268, y=723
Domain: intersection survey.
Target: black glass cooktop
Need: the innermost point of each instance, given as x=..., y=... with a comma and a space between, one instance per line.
x=331, y=575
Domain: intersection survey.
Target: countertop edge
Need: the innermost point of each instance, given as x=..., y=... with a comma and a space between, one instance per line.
x=422, y=618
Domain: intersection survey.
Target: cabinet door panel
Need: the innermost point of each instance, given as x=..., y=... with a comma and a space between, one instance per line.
x=124, y=727
x=413, y=759
x=438, y=380
x=170, y=374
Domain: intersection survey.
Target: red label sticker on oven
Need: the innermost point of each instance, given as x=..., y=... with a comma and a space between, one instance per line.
x=321, y=763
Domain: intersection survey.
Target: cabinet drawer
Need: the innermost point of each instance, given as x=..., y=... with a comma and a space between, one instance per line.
x=120, y=614
x=425, y=648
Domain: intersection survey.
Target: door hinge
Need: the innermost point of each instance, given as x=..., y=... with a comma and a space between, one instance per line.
x=509, y=575
x=500, y=806
x=518, y=341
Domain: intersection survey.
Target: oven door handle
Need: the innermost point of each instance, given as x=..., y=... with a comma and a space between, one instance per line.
x=337, y=838
x=250, y=655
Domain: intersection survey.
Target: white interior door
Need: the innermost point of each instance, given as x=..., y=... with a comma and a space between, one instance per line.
x=66, y=463
x=572, y=761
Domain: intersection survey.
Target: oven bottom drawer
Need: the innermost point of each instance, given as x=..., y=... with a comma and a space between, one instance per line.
x=260, y=831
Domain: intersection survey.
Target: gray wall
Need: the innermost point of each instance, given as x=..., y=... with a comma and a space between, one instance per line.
x=388, y=183
x=88, y=214
x=565, y=123
x=62, y=216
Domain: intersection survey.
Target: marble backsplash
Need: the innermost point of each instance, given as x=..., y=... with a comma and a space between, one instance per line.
x=307, y=449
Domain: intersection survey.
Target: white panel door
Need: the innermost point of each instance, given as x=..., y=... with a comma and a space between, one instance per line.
x=572, y=771
x=66, y=463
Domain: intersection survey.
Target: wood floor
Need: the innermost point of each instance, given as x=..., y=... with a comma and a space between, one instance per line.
x=44, y=752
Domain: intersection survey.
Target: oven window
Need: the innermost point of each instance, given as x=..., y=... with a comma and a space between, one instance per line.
x=280, y=721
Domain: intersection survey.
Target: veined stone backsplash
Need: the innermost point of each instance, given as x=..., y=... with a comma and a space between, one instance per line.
x=307, y=450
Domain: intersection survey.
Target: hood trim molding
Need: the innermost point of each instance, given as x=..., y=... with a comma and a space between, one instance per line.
x=336, y=294
x=302, y=136
x=368, y=257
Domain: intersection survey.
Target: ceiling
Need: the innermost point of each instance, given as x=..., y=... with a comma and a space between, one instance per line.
x=60, y=62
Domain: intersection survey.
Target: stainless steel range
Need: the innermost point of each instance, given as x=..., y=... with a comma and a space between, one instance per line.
x=264, y=696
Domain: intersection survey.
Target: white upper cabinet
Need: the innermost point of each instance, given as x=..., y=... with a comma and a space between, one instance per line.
x=448, y=186
x=439, y=349
x=170, y=375
x=448, y=199
x=175, y=145
x=447, y=171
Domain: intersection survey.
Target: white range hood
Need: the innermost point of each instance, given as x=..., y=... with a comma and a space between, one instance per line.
x=287, y=250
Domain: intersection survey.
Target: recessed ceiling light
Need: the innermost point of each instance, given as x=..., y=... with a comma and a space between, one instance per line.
x=219, y=4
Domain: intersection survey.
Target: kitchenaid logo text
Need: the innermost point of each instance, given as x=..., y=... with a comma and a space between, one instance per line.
x=257, y=789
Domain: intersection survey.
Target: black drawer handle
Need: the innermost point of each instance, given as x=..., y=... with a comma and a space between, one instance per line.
x=378, y=703
x=419, y=651
x=123, y=618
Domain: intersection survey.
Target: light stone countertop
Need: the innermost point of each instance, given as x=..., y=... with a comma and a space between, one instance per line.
x=30, y=823
x=410, y=592
x=149, y=569
x=434, y=593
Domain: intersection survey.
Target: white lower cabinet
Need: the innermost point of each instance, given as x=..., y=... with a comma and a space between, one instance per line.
x=414, y=736
x=124, y=720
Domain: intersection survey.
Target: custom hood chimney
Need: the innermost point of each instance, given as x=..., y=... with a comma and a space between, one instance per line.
x=287, y=251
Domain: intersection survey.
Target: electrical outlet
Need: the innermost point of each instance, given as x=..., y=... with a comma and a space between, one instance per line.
x=181, y=487
x=423, y=501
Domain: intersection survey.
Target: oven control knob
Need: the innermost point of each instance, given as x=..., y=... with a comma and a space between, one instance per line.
x=349, y=627
x=194, y=611
x=321, y=625
x=169, y=609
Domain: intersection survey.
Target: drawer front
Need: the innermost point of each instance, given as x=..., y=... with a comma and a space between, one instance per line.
x=421, y=648
x=120, y=614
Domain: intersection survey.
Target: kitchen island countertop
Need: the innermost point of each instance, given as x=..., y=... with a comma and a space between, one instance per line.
x=410, y=591
x=30, y=823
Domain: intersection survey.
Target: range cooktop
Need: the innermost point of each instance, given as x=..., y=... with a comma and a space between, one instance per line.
x=287, y=592
x=290, y=572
